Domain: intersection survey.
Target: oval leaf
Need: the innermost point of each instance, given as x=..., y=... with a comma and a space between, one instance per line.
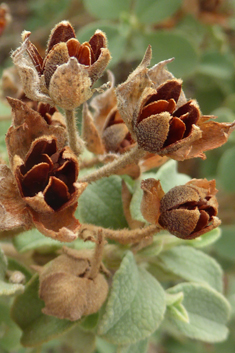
x=135, y=307
x=192, y=265
x=208, y=313
x=101, y=204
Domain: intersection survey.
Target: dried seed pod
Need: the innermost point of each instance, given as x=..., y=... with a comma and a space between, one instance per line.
x=152, y=104
x=190, y=210
x=68, y=71
x=71, y=285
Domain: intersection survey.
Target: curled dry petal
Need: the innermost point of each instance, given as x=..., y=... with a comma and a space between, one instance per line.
x=28, y=124
x=150, y=204
x=13, y=210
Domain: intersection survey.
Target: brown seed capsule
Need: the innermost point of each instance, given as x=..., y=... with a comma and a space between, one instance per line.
x=65, y=76
x=71, y=285
x=190, y=210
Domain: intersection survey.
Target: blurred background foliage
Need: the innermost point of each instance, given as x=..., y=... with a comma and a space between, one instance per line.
x=200, y=35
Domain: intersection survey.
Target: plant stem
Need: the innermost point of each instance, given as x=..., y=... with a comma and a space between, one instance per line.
x=132, y=156
x=123, y=236
x=75, y=142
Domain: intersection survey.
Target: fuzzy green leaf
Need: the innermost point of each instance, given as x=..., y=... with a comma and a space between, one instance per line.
x=5, y=287
x=169, y=178
x=138, y=347
x=226, y=170
x=169, y=44
x=226, y=244
x=208, y=313
x=37, y=327
x=135, y=307
x=9, y=331
x=106, y=9
x=33, y=239
x=154, y=11
x=192, y=265
x=101, y=204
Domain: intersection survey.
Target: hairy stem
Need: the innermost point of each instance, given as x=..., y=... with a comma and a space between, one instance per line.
x=75, y=142
x=123, y=236
x=132, y=156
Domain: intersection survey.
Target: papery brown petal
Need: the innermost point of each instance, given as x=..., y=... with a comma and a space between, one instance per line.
x=202, y=222
x=152, y=132
x=192, y=114
x=46, y=111
x=43, y=145
x=35, y=57
x=177, y=196
x=113, y=136
x=62, y=32
x=129, y=92
x=35, y=180
x=73, y=47
x=85, y=55
x=103, y=103
x=208, y=185
x=57, y=56
x=156, y=108
x=97, y=68
x=97, y=41
x=150, y=204
x=214, y=223
x=56, y=193
x=28, y=125
x=214, y=135
x=176, y=131
x=180, y=150
x=13, y=211
x=90, y=134
x=180, y=222
x=60, y=225
x=169, y=89
x=69, y=156
x=152, y=161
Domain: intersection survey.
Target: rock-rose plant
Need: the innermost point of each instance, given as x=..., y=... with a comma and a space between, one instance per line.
x=100, y=230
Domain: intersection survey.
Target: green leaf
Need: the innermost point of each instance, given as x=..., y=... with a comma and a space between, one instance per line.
x=9, y=331
x=116, y=39
x=206, y=239
x=5, y=110
x=102, y=346
x=216, y=65
x=226, y=170
x=208, y=313
x=37, y=327
x=135, y=307
x=14, y=265
x=226, y=244
x=154, y=11
x=106, y=9
x=192, y=265
x=79, y=341
x=166, y=45
x=5, y=287
x=3, y=264
x=101, y=204
x=169, y=178
x=33, y=239
x=175, y=307
x=139, y=347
